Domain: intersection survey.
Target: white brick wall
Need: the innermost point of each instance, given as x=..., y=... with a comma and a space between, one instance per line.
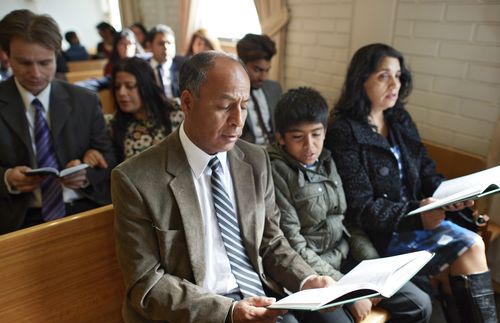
x=165, y=12
x=452, y=47
x=319, y=37
x=454, y=54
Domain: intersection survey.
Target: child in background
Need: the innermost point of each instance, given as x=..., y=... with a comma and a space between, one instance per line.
x=311, y=199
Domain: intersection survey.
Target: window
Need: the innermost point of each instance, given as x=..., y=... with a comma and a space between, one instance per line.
x=227, y=19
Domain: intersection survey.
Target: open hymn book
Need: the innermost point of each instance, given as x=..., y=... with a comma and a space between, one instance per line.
x=468, y=187
x=381, y=277
x=55, y=172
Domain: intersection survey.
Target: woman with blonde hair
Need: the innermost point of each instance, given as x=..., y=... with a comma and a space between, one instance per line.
x=202, y=41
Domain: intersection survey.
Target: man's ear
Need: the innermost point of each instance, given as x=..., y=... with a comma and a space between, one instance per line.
x=187, y=101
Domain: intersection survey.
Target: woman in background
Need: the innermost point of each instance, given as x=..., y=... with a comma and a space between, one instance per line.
x=201, y=41
x=387, y=173
x=142, y=117
x=124, y=45
x=107, y=32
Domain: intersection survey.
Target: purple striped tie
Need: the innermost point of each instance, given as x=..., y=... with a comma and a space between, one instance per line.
x=52, y=198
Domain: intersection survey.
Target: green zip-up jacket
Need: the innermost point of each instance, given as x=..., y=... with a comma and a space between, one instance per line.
x=312, y=205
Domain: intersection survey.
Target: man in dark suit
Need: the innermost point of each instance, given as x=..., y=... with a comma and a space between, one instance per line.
x=171, y=238
x=256, y=51
x=45, y=120
x=160, y=41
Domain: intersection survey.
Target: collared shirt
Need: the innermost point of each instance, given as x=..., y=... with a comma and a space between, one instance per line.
x=44, y=98
x=259, y=95
x=219, y=278
x=167, y=79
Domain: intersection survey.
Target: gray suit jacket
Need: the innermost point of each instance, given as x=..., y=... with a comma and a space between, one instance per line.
x=159, y=233
x=273, y=93
x=77, y=125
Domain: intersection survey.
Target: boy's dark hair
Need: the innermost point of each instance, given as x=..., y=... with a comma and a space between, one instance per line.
x=303, y=104
x=33, y=28
x=69, y=36
x=253, y=47
x=163, y=29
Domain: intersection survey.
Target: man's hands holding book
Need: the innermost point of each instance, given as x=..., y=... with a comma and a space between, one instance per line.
x=253, y=309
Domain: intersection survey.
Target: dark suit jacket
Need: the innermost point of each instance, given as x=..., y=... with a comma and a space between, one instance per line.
x=273, y=93
x=77, y=125
x=174, y=73
x=370, y=174
x=160, y=239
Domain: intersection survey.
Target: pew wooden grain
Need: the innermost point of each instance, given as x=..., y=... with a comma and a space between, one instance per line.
x=62, y=271
x=78, y=76
x=107, y=101
x=88, y=65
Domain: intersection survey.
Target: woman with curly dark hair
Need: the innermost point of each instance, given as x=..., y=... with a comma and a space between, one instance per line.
x=387, y=173
x=143, y=114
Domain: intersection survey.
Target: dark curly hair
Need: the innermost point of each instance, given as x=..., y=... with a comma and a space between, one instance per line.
x=354, y=102
x=157, y=107
x=300, y=105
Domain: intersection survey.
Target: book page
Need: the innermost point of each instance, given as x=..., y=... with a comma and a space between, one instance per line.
x=383, y=276
x=386, y=275
x=71, y=170
x=480, y=181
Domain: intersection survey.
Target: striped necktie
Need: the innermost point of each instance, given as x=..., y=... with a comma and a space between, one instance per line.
x=242, y=269
x=52, y=198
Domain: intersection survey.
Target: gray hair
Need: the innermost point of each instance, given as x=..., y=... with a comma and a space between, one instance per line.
x=194, y=70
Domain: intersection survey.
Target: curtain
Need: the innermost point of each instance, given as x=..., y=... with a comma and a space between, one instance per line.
x=189, y=22
x=273, y=17
x=130, y=12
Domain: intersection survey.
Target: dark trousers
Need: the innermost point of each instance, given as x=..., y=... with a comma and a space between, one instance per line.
x=409, y=304
x=34, y=215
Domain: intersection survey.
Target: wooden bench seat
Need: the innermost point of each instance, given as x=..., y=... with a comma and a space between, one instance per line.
x=62, y=271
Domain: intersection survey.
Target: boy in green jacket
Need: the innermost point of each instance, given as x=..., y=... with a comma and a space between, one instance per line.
x=311, y=199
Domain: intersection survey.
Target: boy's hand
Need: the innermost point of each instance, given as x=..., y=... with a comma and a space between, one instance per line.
x=360, y=309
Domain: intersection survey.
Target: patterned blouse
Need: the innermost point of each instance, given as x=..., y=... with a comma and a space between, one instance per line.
x=142, y=134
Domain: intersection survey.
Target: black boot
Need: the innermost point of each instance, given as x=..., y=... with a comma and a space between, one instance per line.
x=450, y=309
x=474, y=297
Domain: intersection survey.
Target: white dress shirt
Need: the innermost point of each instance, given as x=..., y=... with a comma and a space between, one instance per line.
x=219, y=278
x=167, y=80
x=259, y=95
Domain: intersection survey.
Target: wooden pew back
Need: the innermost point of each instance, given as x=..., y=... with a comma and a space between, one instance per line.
x=89, y=65
x=62, y=271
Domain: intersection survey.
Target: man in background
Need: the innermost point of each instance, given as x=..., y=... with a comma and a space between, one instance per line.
x=160, y=41
x=76, y=51
x=256, y=51
x=45, y=123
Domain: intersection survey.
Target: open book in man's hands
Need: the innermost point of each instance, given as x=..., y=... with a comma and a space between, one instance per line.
x=55, y=172
x=371, y=278
x=468, y=187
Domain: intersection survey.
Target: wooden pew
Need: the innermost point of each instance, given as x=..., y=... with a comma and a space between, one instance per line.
x=62, y=271
x=107, y=101
x=73, y=77
x=88, y=65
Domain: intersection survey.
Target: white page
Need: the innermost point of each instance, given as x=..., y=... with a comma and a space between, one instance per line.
x=480, y=180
